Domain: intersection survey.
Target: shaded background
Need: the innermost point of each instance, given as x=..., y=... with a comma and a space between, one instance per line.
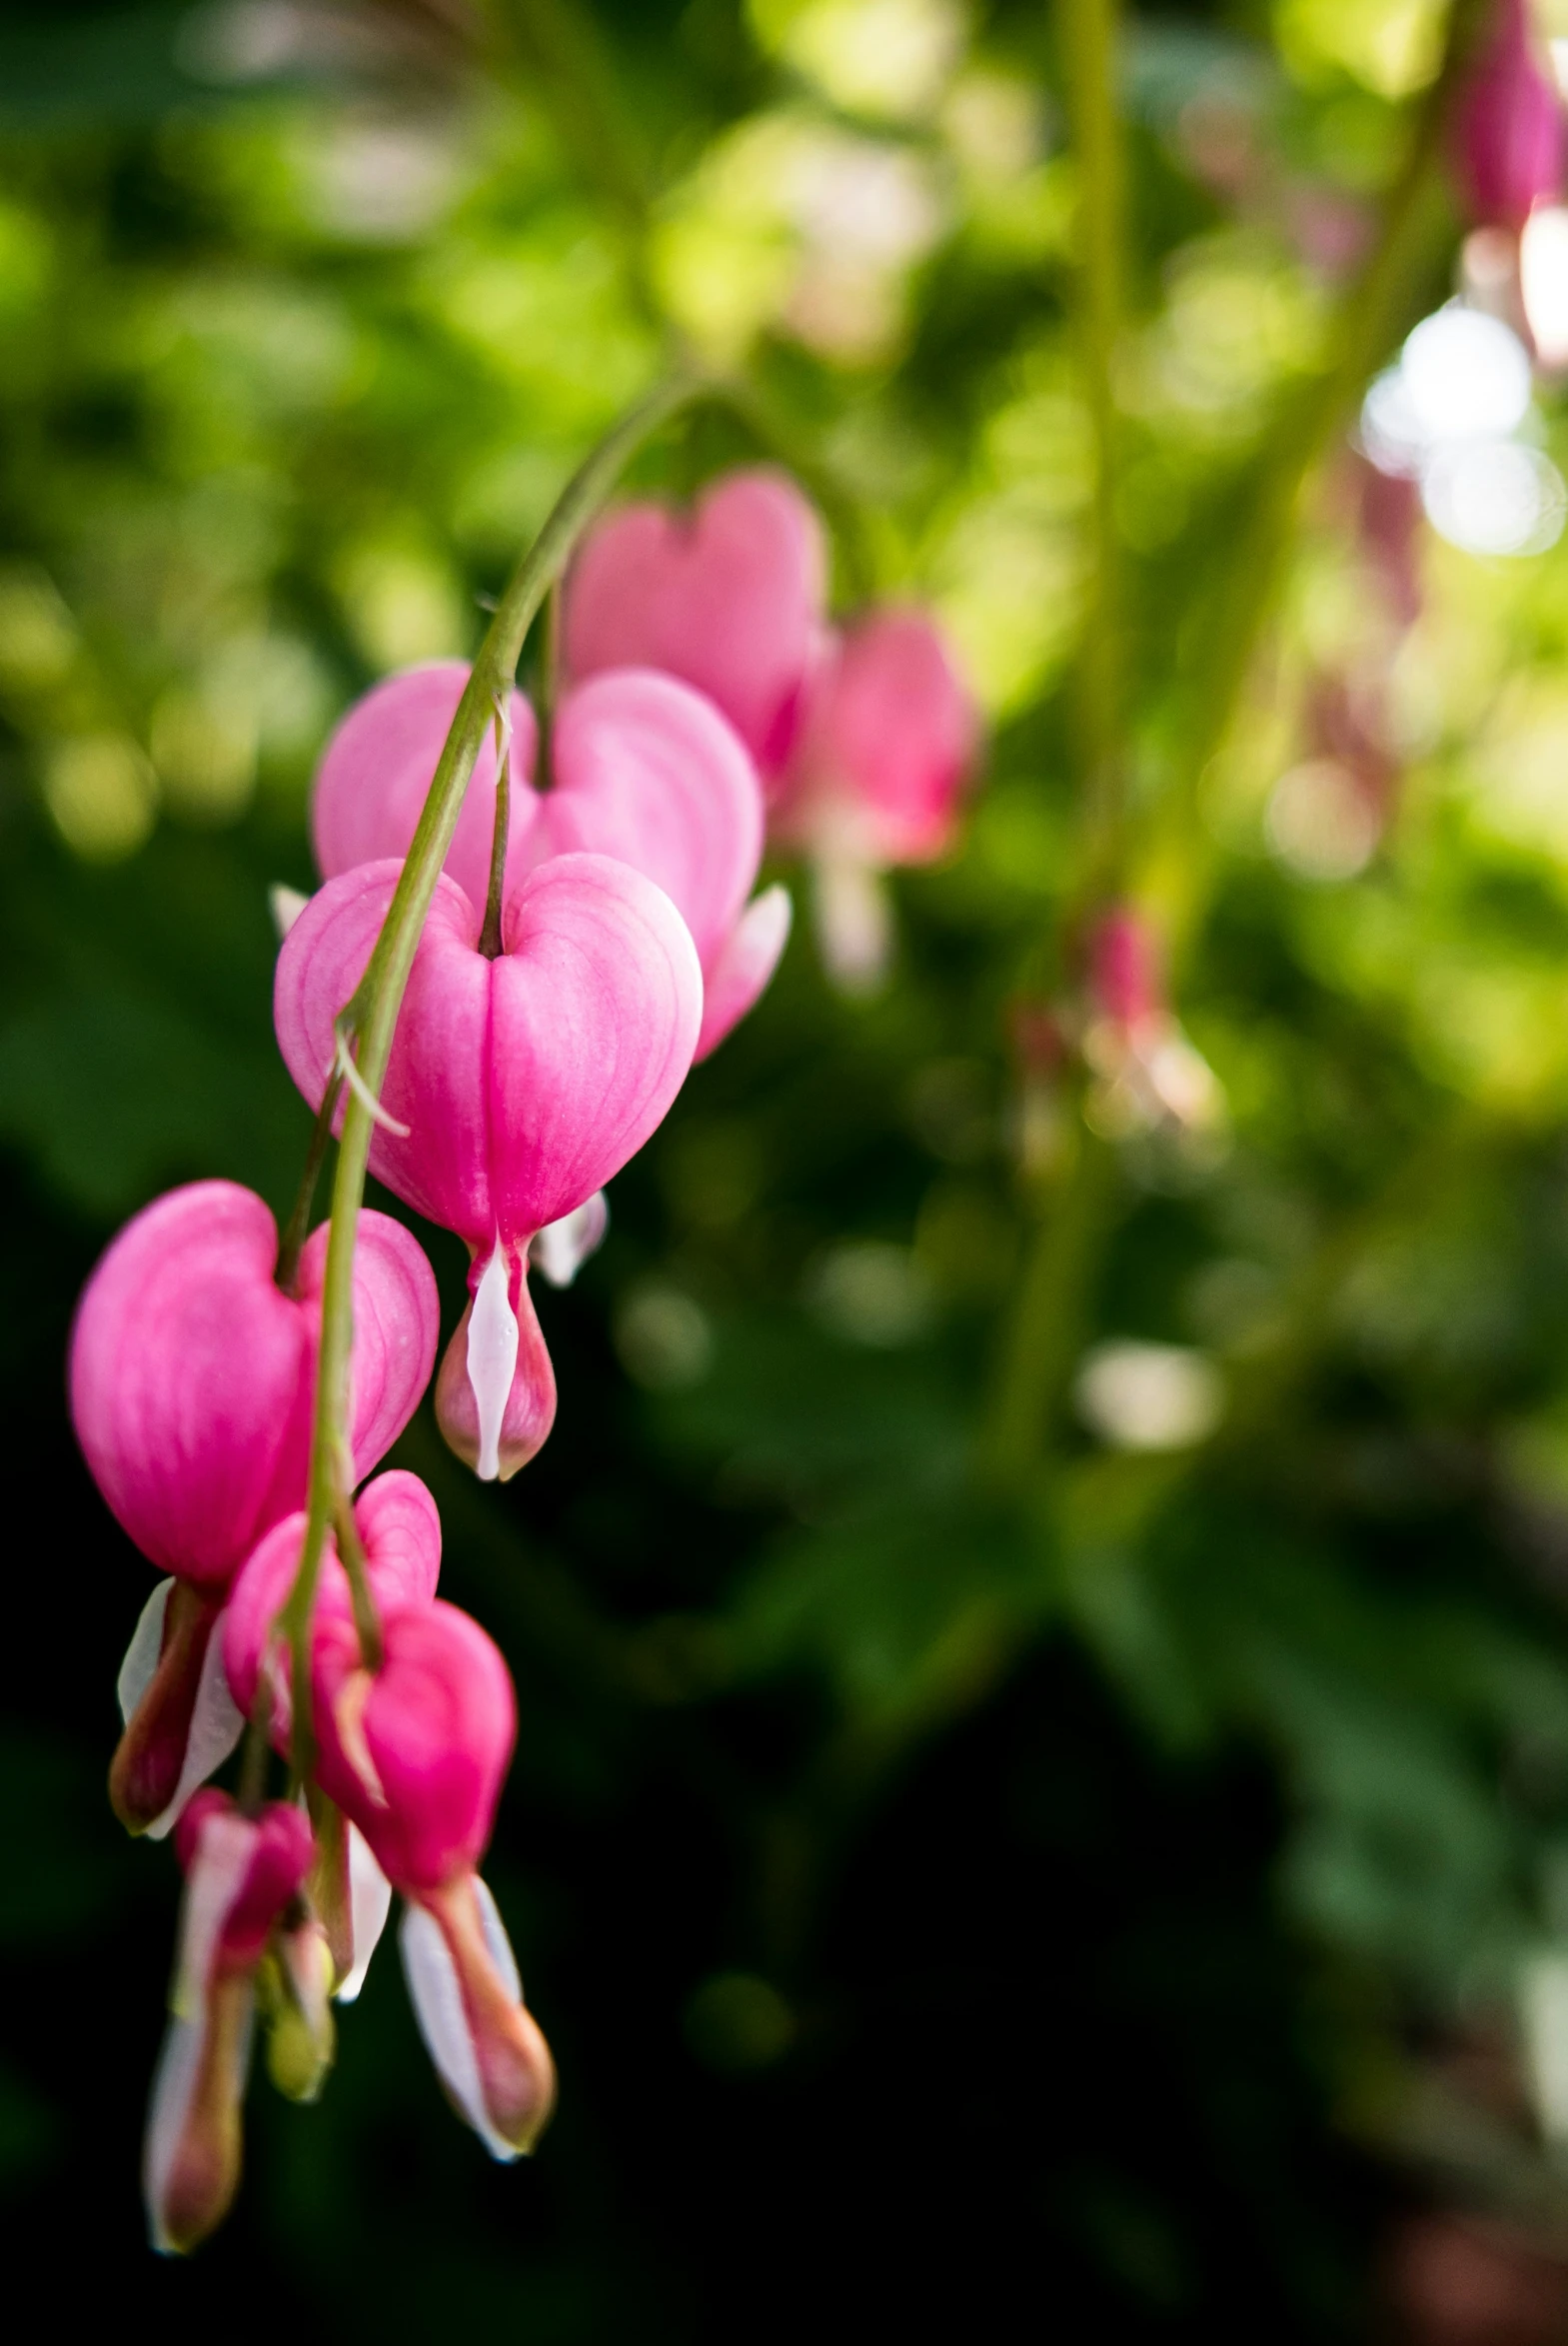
x=1126, y=1902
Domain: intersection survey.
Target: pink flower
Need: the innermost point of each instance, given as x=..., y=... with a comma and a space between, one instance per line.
x=645, y=769
x=399, y=1533
x=415, y=1755
x=887, y=749
x=730, y=596
x=192, y=1382
x=1508, y=126
x=1146, y=1073
x=878, y=734
x=523, y=1082
x=243, y=1875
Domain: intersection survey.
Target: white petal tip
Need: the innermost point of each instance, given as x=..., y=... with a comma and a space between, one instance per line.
x=285, y=904
x=492, y=1359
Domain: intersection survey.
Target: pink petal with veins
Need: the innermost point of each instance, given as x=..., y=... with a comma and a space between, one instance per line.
x=525, y=1081
x=192, y=1375
x=378, y=766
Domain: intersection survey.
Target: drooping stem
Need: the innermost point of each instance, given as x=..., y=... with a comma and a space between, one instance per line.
x=351, y=1551
x=371, y=1016
x=1087, y=44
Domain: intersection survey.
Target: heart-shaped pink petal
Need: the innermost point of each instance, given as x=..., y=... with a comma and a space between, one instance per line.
x=192, y=1375
x=525, y=1081
x=649, y=771
x=377, y=769
x=730, y=596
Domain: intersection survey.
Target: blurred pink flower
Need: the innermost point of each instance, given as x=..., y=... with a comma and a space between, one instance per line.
x=730, y=595
x=1508, y=125
x=520, y=1086
x=867, y=738
x=242, y=1876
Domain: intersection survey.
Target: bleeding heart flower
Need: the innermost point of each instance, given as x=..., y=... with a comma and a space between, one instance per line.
x=730, y=596
x=243, y=1875
x=399, y=1533
x=523, y=1082
x=644, y=770
x=1508, y=125
x=887, y=749
x=192, y=1382
x=415, y=1755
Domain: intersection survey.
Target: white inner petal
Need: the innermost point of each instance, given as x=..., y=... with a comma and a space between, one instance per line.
x=141, y=1654
x=217, y=1723
x=370, y=1902
x=496, y=1941
x=492, y=1358
x=437, y=2007
x=561, y=1247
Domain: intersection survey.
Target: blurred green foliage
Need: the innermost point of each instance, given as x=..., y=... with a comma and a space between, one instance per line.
x=931, y=1883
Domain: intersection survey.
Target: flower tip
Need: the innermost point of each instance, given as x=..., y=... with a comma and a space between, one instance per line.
x=496, y=1391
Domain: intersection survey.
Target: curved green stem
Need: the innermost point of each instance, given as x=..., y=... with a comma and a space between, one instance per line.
x=371, y=1016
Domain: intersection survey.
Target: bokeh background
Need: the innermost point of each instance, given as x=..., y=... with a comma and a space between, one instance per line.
x=1125, y=1898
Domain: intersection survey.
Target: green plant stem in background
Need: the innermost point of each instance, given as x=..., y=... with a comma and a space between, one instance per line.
x=1045, y=1330
x=367, y=1023
x=1086, y=38
x=1380, y=307
x=1047, y=1316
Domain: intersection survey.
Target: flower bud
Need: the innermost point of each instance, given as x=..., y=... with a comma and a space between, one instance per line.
x=243, y=1874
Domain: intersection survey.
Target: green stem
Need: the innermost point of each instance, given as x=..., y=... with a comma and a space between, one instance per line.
x=1087, y=33
x=298, y=1230
x=1045, y=1332
x=372, y=1016
x=1375, y=310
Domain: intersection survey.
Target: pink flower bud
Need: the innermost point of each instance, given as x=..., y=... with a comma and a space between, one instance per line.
x=523, y=1082
x=888, y=748
x=1125, y=985
x=192, y=1375
x=1508, y=125
x=242, y=1876
x=399, y=1533
x=644, y=770
x=730, y=596
x=415, y=1756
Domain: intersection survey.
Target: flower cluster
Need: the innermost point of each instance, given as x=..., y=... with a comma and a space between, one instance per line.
x=594, y=931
